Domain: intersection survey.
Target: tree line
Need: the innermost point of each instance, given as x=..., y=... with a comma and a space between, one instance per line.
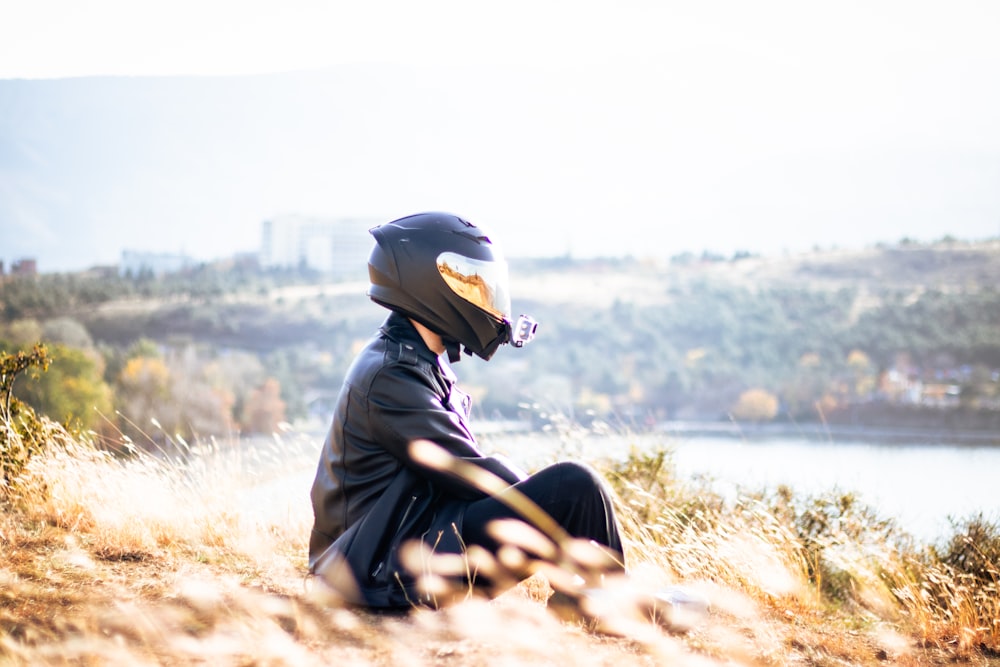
x=221, y=350
x=711, y=348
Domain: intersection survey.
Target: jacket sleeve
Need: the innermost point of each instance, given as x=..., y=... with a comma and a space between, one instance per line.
x=404, y=407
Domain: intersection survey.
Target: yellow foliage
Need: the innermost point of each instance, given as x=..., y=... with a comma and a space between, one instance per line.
x=826, y=404
x=264, y=410
x=145, y=372
x=756, y=405
x=858, y=359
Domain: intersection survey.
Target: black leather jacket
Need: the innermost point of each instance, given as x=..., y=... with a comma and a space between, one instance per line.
x=369, y=496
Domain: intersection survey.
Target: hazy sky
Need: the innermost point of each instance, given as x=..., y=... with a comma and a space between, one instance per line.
x=676, y=126
x=859, y=39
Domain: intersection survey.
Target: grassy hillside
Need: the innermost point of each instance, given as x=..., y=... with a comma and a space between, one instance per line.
x=200, y=559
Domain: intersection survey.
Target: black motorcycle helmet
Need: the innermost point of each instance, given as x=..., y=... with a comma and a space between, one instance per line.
x=445, y=273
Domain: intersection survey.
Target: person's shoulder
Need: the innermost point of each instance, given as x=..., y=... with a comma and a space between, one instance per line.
x=369, y=360
x=390, y=360
x=387, y=360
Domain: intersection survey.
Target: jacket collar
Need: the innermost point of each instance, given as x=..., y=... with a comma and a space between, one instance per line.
x=399, y=329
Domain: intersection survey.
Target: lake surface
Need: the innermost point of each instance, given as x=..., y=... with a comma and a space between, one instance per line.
x=920, y=485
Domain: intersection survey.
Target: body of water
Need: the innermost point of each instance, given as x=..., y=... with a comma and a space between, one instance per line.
x=922, y=486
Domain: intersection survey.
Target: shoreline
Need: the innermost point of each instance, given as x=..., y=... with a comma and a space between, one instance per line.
x=833, y=433
x=817, y=432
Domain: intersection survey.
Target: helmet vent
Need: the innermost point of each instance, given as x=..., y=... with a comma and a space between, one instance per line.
x=478, y=238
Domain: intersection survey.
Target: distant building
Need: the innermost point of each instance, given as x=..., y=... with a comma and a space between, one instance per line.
x=24, y=267
x=336, y=247
x=100, y=272
x=136, y=263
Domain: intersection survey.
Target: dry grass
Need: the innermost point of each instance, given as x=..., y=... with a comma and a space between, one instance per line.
x=151, y=561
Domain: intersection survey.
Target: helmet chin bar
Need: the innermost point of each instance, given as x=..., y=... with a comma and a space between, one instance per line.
x=522, y=332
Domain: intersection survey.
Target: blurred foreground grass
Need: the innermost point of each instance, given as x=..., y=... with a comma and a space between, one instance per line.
x=147, y=560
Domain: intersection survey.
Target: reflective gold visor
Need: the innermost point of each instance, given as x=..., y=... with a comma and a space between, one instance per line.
x=481, y=283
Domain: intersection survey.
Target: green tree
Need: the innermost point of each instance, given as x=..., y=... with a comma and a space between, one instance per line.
x=23, y=332
x=73, y=391
x=67, y=331
x=143, y=387
x=810, y=381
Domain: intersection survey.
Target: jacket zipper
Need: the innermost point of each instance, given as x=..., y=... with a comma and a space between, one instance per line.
x=406, y=514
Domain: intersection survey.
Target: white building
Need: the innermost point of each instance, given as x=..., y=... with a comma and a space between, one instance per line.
x=337, y=247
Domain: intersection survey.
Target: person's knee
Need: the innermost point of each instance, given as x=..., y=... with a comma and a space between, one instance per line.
x=577, y=477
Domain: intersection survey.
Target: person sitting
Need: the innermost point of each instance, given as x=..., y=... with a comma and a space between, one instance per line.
x=445, y=283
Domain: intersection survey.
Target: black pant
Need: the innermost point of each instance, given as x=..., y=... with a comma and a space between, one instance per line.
x=571, y=493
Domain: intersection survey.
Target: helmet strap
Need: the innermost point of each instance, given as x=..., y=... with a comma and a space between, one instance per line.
x=454, y=349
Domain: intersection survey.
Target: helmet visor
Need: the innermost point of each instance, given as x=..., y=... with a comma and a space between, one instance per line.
x=481, y=283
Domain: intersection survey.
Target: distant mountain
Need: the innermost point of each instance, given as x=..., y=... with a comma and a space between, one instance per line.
x=587, y=162
x=91, y=166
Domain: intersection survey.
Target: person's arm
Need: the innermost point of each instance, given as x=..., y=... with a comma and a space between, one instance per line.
x=403, y=408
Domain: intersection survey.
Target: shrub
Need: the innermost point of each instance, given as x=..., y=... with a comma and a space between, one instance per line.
x=974, y=550
x=22, y=433
x=756, y=405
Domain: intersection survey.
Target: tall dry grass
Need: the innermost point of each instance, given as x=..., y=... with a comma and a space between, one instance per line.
x=827, y=555
x=199, y=558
